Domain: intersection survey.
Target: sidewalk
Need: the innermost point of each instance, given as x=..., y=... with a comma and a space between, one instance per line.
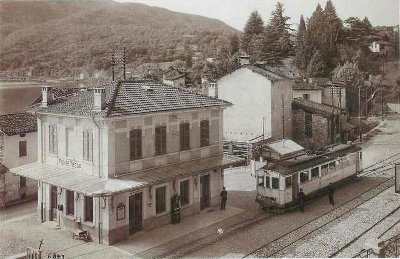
x=159, y=237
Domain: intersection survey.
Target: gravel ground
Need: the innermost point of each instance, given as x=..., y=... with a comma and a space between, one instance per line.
x=337, y=234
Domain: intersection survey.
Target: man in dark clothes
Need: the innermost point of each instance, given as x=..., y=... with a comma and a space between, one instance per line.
x=224, y=197
x=330, y=194
x=302, y=197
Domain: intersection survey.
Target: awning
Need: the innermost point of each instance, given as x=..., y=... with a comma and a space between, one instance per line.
x=74, y=180
x=92, y=185
x=176, y=171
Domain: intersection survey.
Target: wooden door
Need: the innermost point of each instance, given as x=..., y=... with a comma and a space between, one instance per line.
x=135, y=213
x=204, y=191
x=53, y=202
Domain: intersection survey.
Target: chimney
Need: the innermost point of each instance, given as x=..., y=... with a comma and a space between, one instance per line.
x=213, y=90
x=99, y=98
x=47, y=95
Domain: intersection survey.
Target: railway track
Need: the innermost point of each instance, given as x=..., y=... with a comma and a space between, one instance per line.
x=289, y=238
x=279, y=244
x=375, y=225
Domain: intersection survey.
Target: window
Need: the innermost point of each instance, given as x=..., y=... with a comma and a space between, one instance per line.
x=324, y=170
x=53, y=144
x=267, y=184
x=160, y=199
x=70, y=203
x=88, y=209
x=332, y=166
x=308, y=125
x=184, y=187
x=88, y=145
x=288, y=181
x=22, y=148
x=275, y=183
x=315, y=172
x=184, y=134
x=306, y=96
x=204, y=133
x=261, y=181
x=160, y=140
x=304, y=177
x=135, y=141
x=337, y=122
x=22, y=181
x=69, y=138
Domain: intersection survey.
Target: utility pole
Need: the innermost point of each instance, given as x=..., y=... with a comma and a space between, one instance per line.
x=333, y=118
x=113, y=64
x=283, y=118
x=359, y=112
x=123, y=60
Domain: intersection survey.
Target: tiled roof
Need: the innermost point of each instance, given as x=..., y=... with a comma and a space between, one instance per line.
x=301, y=85
x=17, y=123
x=131, y=97
x=284, y=147
x=175, y=77
x=314, y=107
x=268, y=74
x=346, y=126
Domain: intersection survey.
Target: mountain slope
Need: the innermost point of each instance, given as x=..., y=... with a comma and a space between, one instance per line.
x=54, y=37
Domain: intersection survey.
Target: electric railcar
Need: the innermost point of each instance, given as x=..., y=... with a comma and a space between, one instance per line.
x=278, y=183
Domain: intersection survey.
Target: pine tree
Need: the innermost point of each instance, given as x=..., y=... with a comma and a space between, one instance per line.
x=333, y=29
x=233, y=44
x=277, y=43
x=316, y=67
x=301, y=55
x=253, y=27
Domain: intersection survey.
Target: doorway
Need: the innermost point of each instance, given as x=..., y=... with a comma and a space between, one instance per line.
x=135, y=213
x=53, y=203
x=204, y=191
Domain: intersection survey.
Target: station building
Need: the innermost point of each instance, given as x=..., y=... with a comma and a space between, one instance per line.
x=112, y=159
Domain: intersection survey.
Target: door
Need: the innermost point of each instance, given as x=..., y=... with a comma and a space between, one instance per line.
x=295, y=185
x=204, y=191
x=135, y=213
x=53, y=202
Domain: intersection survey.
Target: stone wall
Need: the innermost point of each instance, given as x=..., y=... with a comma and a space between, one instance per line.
x=320, y=130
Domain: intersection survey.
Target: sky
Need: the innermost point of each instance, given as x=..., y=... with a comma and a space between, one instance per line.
x=235, y=12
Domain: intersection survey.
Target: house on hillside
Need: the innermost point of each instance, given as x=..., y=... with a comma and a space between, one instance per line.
x=308, y=91
x=174, y=77
x=18, y=146
x=120, y=159
x=261, y=99
x=318, y=125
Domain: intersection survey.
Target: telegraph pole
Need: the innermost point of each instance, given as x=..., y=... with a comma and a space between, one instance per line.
x=123, y=60
x=113, y=64
x=359, y=112
x=283, y=118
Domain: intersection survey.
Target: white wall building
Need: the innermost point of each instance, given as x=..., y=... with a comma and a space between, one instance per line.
x=261, y=104
x=115, y=157
x=18, y=145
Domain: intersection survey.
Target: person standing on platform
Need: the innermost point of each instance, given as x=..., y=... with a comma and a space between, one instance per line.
x=330, y=194
x=224, y=197
x=302, y=198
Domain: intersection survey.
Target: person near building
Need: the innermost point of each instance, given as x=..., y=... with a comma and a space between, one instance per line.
x=224, y=197
x=330, y=194
x=302, y=198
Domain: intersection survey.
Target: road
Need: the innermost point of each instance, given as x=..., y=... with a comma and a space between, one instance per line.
x=379, y=144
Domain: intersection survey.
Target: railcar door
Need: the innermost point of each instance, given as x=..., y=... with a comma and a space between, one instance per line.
x=295, y=185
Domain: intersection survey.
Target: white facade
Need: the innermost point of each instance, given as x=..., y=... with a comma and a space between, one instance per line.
x=374, y=47
x=258, y=106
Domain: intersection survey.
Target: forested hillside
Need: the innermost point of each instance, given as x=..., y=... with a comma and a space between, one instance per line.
x=52, y=38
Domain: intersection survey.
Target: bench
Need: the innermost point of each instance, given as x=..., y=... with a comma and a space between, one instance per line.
x=80, y=234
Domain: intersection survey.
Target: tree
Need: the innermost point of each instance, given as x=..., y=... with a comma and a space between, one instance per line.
x=353, y=78
x=233, y=44
x=301, y=58
x=253, y=27
x=316, y=67
x=277, y=42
